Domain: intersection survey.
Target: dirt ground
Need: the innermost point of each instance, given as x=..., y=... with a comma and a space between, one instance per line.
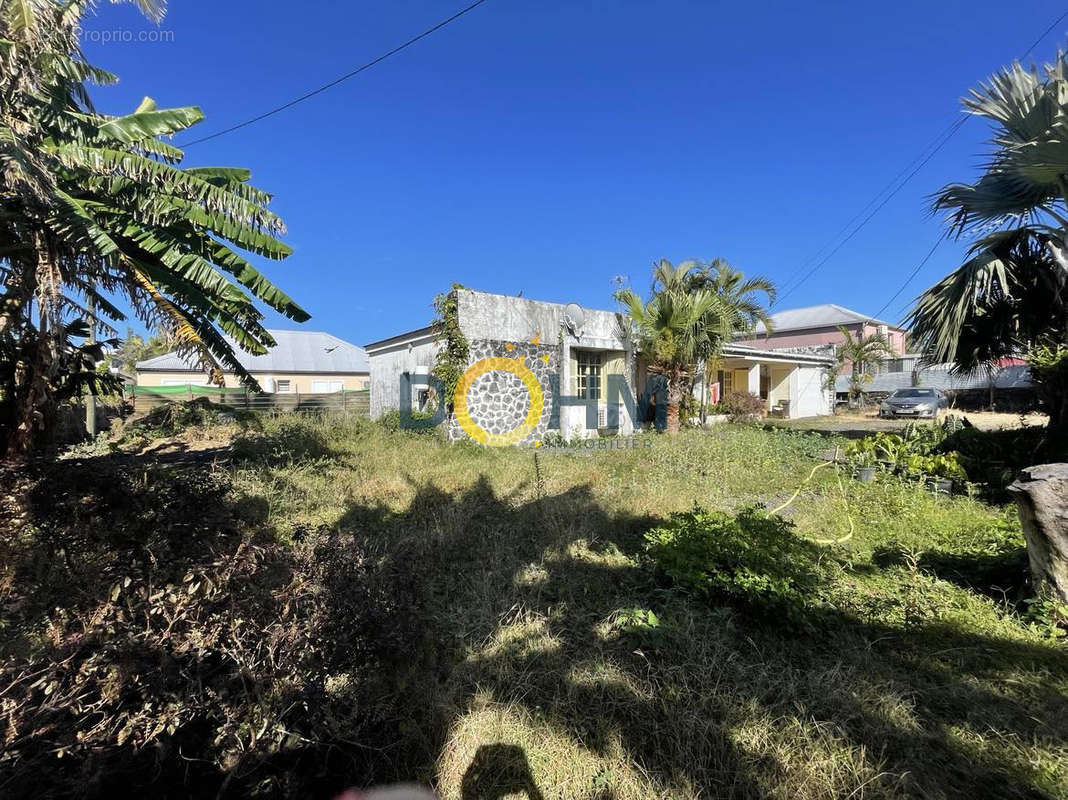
x=864, y=423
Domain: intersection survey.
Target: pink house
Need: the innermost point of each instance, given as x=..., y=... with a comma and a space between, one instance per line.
x=819, y=325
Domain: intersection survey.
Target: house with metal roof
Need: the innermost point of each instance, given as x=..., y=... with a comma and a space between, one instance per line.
x=537, y=366
x=819, y=326
x=308, y=362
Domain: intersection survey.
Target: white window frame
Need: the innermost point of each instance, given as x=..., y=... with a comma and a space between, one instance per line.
x=332, y=386
x=588, y=364
x=278, y=386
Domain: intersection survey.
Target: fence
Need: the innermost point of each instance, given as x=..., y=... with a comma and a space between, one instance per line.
x=145, y=398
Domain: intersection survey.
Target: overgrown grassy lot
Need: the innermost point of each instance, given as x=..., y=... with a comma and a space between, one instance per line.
x=328, y=603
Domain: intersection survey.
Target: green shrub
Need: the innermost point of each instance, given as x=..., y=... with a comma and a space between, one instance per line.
x=689, y=408
x=750, y=557
x=917, y=450
x=284, y=440
x=391, y=422
x=170, y=419
x=995, y=458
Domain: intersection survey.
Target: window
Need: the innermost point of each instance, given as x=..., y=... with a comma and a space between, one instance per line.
x=589, y=375
x=283, y=387
x=726, y=381
x=326, y=387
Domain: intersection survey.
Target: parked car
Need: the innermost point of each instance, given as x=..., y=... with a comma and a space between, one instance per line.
x=914, y=403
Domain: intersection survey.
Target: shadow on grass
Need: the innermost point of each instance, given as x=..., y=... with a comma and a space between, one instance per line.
x=348, y=658
x=1004, y=575
x=497, y=771
x=674, y=698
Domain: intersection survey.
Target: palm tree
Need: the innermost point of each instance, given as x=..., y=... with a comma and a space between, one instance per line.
x=93, y=207
x=670, y=329
x=860, y=352
x=1009, y=296
x=738, y=311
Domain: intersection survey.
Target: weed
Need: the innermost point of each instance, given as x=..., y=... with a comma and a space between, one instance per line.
x=383, y=606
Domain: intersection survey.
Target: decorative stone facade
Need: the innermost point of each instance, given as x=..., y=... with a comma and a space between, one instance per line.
x=498, y=401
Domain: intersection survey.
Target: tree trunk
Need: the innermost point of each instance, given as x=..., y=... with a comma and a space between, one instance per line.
x=1041, y=495
x=672, y=426
x=34, y=395
x=704, y=394
x=675, y=389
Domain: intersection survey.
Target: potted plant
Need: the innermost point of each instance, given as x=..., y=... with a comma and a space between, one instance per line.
x=861, y=455
x=943, y=470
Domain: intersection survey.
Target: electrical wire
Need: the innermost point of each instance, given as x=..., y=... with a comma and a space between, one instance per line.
x=940, y=143
x=336, y=81
x=956, y=126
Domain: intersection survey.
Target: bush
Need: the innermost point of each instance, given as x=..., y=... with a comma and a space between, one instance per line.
x=286, y=439
x=741, y=406
x=391, y=422
x=751, y=558
x=179, y=651
x=995, y=458
x=171, y=419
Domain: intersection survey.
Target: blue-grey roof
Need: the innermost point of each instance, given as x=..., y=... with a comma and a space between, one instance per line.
x=295, y=351
x=822, y=316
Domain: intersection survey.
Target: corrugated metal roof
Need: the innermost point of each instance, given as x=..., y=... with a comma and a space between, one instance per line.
x=295, y=351
x=742, y=351
x=821, y=316
x=941, y=376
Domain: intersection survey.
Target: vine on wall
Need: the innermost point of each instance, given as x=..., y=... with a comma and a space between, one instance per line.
x=454, y=351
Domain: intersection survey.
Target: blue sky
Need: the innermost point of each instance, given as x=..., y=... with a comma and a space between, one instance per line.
x=546, y=147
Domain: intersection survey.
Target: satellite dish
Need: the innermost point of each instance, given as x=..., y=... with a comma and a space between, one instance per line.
x=574, y=318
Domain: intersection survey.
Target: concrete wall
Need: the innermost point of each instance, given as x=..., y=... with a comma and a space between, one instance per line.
x=298, y=382
x=515, y=319
x=781, y=386
x=415, y=355
x=494, y=321
x=809, y=398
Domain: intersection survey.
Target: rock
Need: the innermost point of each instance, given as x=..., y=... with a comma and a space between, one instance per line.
x=1041, y=494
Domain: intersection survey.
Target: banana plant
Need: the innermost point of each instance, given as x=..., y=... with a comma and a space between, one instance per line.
x=96, y=207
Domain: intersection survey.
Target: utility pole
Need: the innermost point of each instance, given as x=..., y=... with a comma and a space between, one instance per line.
x=90, y=400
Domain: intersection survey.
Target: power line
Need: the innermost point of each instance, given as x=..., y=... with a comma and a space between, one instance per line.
x=341, y=79
x=940, y=142
x=912, y=275
x=947, y=132
x=946, y=136
x=934, y=247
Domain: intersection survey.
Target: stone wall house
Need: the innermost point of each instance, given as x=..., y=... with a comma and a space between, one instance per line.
x=570, y=354
x=581, y=363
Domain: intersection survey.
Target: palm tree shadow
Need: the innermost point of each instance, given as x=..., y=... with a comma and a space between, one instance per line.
x=496, y=771
x=482, y=563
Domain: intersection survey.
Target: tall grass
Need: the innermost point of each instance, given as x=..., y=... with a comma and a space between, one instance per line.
x=506, y=632
x=911, y=681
